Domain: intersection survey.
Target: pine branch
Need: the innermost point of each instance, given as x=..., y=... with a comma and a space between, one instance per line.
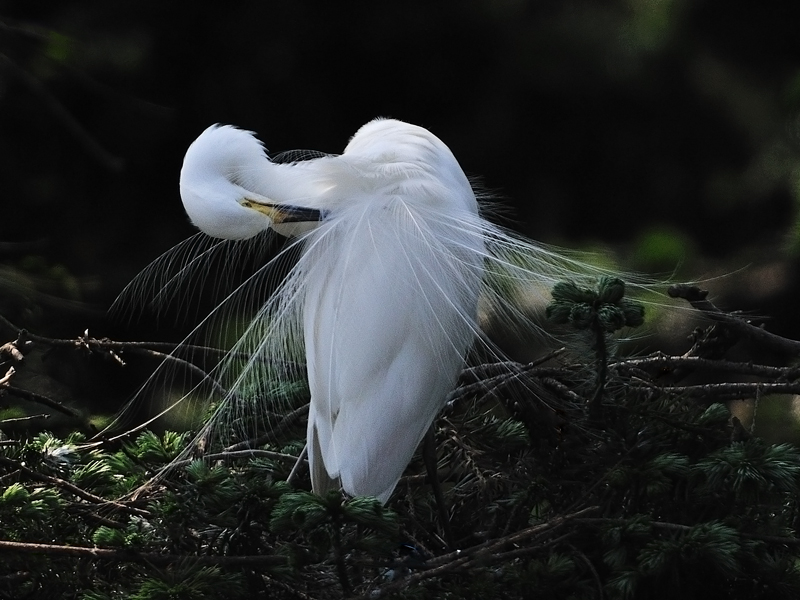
x=71, y=488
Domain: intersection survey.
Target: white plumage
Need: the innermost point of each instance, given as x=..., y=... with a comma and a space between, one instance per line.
x=386, y=290
x=397, y=275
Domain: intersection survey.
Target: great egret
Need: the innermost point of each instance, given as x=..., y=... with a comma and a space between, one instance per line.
x=390, y=281
x=383, y=304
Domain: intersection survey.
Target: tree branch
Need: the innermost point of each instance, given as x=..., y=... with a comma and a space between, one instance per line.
x=128, y=555
x=72, y=488
x=697, y=298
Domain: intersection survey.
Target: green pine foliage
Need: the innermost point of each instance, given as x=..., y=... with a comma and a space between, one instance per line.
x=634, y=486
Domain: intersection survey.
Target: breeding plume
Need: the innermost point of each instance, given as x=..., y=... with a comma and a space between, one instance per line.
x=388, y=283
x=382, y=304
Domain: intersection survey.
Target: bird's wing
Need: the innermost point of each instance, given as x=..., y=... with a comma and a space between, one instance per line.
x=389, y=315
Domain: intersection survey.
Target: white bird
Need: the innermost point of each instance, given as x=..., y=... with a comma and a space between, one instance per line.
x=390, y=281
x=383, y=303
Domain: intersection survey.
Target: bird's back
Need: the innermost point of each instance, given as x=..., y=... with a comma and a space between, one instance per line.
x=392, y=282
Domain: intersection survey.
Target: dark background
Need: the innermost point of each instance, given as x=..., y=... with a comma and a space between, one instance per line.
x=667, y=131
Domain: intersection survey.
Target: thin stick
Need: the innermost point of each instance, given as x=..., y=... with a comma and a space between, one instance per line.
x=129, y=555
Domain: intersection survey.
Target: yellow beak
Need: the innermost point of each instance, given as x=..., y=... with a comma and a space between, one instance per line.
x=281, y=213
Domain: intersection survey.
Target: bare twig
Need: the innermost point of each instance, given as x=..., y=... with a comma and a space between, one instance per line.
x=698, y=299
x=129, y=555
x=13, y=420
x=38, y=399
x=185, y=364
x=150, y=349
x=723, y=391
x=664, y=361
x=485, y=371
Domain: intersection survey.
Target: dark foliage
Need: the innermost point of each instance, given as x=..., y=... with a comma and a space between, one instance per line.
x=608, y=478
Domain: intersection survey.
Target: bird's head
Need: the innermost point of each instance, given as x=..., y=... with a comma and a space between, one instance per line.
x=222, y=184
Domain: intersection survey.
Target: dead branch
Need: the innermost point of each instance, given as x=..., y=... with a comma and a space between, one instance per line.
x=698, y=299
x=127, y=555
x=718, y=392
x=37, y=398
x=665, y=362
